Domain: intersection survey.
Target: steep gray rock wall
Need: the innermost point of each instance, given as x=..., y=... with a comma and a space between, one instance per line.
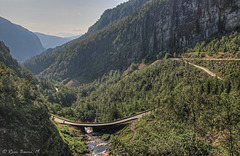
x=180, y=23
x=175, y=24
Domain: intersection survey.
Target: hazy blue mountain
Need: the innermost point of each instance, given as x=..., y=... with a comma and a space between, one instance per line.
x=22, y=42
x=49, y=41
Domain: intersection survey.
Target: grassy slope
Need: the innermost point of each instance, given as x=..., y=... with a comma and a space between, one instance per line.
x=73, y=137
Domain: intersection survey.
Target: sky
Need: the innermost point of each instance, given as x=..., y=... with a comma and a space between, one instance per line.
x=55, y=17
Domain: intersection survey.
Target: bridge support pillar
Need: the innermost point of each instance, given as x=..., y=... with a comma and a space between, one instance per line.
x=80, y=128
x=109, y=129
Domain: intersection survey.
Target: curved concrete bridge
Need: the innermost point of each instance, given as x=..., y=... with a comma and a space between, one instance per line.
x=113, y=123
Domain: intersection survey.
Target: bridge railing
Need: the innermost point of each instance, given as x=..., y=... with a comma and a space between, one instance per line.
x=105, y=122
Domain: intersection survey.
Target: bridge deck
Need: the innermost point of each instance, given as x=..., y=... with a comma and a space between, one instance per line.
x=121, y=121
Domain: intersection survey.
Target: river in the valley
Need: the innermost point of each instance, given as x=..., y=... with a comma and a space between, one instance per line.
x=97, y=146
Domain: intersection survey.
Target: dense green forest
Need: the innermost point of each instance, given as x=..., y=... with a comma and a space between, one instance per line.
x=219, y=43
x=122, y=67
x=204, y=124
x=6, y=58
x=24, y=119
x=226, y=69
x=197, y=115
x=111, y=16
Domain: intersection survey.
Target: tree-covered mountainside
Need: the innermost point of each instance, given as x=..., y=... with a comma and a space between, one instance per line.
x=122, y=65
x=197, y=114
x=156, y=27
x=220, y=43
x=22, y=43
x=6, y=59
x=24, y=119
x=223, y=68
x=111, y=16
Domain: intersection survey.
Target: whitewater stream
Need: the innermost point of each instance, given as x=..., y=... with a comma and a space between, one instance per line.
x=96, y=145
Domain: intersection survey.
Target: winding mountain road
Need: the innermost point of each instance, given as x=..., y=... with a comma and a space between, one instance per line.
x=202, y=68
x=205, y=69
x=121, y=121
x=133, y=127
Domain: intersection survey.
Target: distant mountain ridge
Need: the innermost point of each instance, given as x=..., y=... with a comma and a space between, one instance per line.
x=23, y=43
x=155, y=27
x=111, y=16
x=50, y=41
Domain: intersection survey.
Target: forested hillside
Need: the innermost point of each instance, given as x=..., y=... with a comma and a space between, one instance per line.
x=219, y=46
x=24, y=119
x=122, y=67
x=6, y=59
x=157, y=27
x=197, y=114
x=111, y=16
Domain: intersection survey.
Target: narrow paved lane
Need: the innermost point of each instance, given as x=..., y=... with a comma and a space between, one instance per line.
x=205, y=69
x=202, y=68
x=133, y=126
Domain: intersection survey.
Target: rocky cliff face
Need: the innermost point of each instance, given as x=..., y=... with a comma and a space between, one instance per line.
x=185, y=22
x=172, y=25
x=181, y=23
x=157, y=26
